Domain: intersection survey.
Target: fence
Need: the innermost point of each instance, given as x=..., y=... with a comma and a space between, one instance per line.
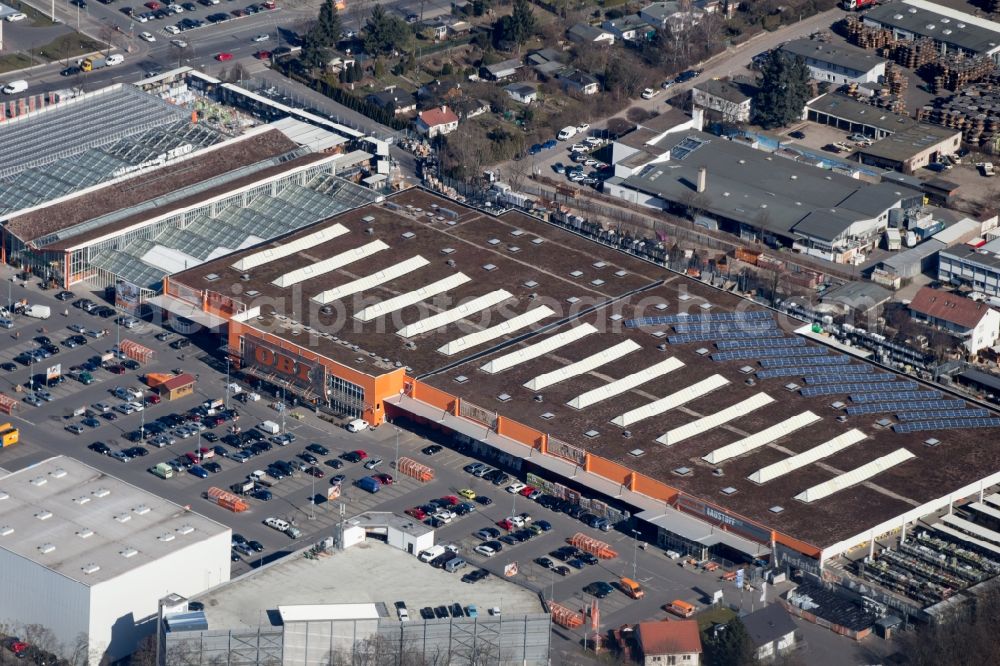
x=569, y=452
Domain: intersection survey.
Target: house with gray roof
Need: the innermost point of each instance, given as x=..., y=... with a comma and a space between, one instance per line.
x=729, y=99
x=663, y=14
x=771, y=630
x=760, y=196
x=583, y=33
x=631, y=28
x=522, y=92
x=397, y=101
x=573, y=80
x=502, y=70
x=546, y=62
x=835, y=63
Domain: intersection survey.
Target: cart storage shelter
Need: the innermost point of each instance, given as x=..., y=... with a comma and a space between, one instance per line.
x=594, y=366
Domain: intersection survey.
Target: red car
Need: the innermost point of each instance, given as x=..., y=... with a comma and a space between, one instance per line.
x=18, y=647
x=224, y=56
x=527, y=491
x=451, y=500
x=316, y=472
x=361, y=454
x=416, y=512
x=115, y=369
x=262, y=55
x=153, y=5
x=384, y=479
x=152, y=399
x=506, y=524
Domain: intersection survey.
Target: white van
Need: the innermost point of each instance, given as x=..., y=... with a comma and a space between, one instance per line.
x=277, y=523
x=15, y=87
x=115, y=59
x=357, y=425
x=567, y=132
x=430, y=553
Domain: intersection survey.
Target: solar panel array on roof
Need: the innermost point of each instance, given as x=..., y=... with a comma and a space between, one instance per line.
x=737, y=354
x=664, y=320
x=847, y=373
x=824, y=360
x=761, y=343
x=895, y=405
x=834, y=389
x=946, y=424
x=851, y=373
x=925, y=414
x=750, y=326
x=686, y=147
x=895, y=395
x=685, y=338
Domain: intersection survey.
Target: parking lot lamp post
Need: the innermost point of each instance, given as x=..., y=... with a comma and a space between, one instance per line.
x=283, y=411
x=312, y=500
x=227, y=383
x=635, y=552
x=395, y=462
x=142, y=423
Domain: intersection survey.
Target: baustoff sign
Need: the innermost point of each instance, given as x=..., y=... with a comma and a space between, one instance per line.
x=723, y=519
x=291, y=367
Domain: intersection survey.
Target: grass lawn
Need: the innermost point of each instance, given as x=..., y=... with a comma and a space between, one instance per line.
x=714, y=615
x=13, y=61
x=69, y=46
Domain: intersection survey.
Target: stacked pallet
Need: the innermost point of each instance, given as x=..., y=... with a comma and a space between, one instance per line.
x=865, y=36
x=911, y=54
x=975, y=110
x=949, y=73
x=895, y=80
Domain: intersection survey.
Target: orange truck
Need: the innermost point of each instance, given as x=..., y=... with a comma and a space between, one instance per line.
x=632, y=588
x=8, y=434
x=681, y=608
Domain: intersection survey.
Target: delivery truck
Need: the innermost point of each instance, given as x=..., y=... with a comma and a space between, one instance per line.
x=38, y=311
x=94, y=64
x=270, y=427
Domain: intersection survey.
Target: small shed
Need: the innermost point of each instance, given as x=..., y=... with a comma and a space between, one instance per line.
x=171, y=387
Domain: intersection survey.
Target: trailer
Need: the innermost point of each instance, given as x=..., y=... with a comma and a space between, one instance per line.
x=9, y=434
x=226, y=500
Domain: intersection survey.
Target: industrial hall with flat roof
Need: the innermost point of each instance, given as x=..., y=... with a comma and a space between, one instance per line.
x=672, y=398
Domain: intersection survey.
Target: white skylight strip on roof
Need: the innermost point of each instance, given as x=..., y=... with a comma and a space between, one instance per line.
x=628, y=383
x=985, y=510
x=855, y=476
x=970, y=527
x=672, y=401
x=513, y=324
x=603, y=357
x=329, y=264
x=371, y=281
x=993, y=499
x=824, y=450
x=412, y=297
x=288, y=249
x=477, y=304
x=706, y=423
x=765, y=436
x=538, y=349
x=944, y=529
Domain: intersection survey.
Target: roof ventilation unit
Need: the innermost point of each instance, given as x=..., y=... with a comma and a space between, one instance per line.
x=245, y=277
x=538, y=397
x=46, y=548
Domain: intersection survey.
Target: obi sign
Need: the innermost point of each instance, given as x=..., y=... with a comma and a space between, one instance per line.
x=289, y=366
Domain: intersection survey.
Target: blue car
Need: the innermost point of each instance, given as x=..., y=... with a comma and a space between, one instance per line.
x=535, y=149
x=544, y=524
x=550, y=144
x=199, y=471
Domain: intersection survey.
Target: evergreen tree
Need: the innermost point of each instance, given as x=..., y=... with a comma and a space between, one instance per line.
x=784, y=90
x=514, y=30
x=385, y=33
x=318, y=44
x=728, y=645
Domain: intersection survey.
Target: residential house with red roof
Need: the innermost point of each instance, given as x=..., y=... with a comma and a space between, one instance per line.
x=439, y=120
x=669, y=643
x=975, y=322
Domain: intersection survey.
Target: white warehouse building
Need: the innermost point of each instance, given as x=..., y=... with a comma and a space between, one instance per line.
x=85, y=554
